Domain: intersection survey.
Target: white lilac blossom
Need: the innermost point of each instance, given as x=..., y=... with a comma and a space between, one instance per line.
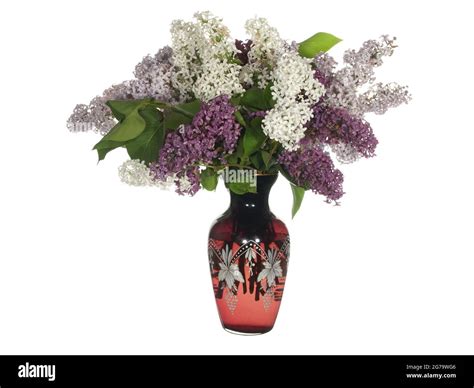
x=136, y=173
x=295, y=90
x=204, y=65
x=218, y=80
x=185, y=38
x=285, y=124
x=266, y=49
x=293, y=79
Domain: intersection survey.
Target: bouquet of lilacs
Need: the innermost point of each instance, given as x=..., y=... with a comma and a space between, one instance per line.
x=210, y=103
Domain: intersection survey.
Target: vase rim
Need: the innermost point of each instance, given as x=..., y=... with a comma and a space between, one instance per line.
x=266, y=173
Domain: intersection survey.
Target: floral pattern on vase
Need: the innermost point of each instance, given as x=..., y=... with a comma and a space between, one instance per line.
x=249, y=274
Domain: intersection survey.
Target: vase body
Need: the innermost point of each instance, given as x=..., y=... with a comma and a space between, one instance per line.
x=248, y=258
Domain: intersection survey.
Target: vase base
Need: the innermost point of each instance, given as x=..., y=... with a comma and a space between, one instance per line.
x=247, y=331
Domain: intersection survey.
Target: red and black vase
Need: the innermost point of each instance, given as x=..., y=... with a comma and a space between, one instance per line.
x=248, y=256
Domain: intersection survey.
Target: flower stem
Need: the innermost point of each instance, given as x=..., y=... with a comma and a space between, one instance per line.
x=272, y=151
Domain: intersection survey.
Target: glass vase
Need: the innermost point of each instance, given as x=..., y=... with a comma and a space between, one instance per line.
x=248, y=258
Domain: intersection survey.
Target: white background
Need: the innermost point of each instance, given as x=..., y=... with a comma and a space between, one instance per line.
x=91, y=266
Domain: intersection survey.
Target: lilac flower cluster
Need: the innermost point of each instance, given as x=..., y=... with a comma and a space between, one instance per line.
x=343, y=85
x=338, y=118
x=153, y=80
x=213, y=132
x=311, y=167
x=318, y=107
x=380, y=97
x=153, y=77
x=96, y=116
x=187, y=181
x=335, y=125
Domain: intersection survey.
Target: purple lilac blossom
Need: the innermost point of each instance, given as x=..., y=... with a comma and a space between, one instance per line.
x=153, y=77
x=322, y=78
x=96, y=116
x=325, y=66
x=256, y=114
x=311, y=167
x=371, y=52
x=212, y=133
x=335, y=125
x=380, y=97
x=343, y=85
x=188, y=181
x=153, y=80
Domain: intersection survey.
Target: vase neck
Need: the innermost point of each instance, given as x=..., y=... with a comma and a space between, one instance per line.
x=253, y=204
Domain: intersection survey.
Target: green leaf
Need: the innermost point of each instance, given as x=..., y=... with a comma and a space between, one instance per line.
x=286, y=175
x=253, y=137
x=257, y=161
x=209, y=179
x=105, y=146
x=298, y=191
x=141, y=126
x=235, y=100
x=266, y=158
x=241, y=187
x=298, y=195
x=135, y=116
x=180, y=114
x=122, y=108
x=239, y=151
x=268, y=96
x=240, y=119
x=320, y=42
x=189, y=108
x=147, y=145
x=258, y=99
x=232, y=158
x=131, y=122
x=172, y=120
